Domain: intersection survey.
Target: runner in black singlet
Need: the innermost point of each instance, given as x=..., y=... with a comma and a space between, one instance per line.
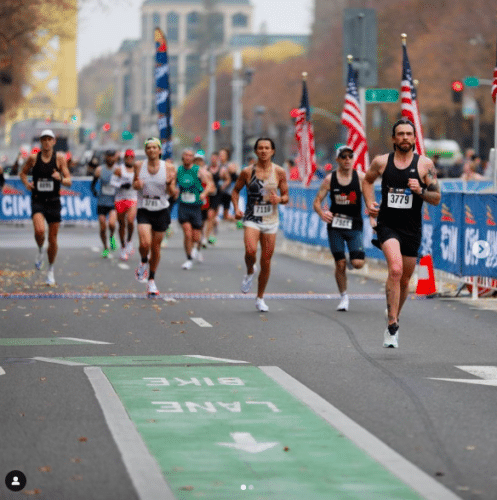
x=407, y=180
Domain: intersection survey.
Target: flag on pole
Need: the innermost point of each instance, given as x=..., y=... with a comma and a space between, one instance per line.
x=494, y=83
x=409, y=103
x=162, y=94
x=304, y=133
x=353, y=120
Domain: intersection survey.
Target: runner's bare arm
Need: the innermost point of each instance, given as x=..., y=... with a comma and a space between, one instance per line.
x=171, y=181
x=63, y=172
x=283, y=187
x=375, y=170
x=326, y=215
x=235, y=195
x=432, y=193
x=25, y=171
x=137, y=183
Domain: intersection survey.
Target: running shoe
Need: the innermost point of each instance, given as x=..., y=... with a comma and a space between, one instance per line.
x=204, y=242
x=247, y=281
x=123, y=254
x=194, y=253
x=141, y=272
x=39, y=261
x=105, y=253
x=391, y=336
x=129, y=248
x=113, y=245
x=152, y=290
x=344, y=303
x=50, y=279
x=212, y=240
x=200, y=257
x=187, y=265
x=260, y=305
x=239, y=224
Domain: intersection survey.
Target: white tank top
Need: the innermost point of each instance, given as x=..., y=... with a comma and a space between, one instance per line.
x=153, y=195
x=126, y=178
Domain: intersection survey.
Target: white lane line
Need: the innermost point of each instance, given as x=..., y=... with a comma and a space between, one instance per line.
x=86, y=341
x=201, y=322
x=407, y=472
x=142, y=468
x=122, y=265
x=2, y=371
x=60, y=361
x=214, y=359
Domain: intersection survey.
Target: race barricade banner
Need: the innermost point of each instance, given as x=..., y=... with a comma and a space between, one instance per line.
x=460, y=233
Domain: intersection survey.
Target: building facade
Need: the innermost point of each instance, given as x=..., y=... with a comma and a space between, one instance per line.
x=190, y=27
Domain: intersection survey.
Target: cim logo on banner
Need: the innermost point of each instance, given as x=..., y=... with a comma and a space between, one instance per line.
x=74, y=206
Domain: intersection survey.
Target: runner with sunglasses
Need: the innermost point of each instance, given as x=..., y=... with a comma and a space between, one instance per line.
x=344, y=218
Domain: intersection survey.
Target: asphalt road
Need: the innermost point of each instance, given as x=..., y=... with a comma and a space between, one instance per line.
x=53, y=426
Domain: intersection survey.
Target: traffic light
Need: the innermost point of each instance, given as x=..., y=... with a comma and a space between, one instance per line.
x=216, y=125
x=106, y=127
x=457, y=88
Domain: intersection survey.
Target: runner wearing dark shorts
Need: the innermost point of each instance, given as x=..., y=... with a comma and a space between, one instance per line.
x=49, y=170
x=407, y=179
x=343, y=218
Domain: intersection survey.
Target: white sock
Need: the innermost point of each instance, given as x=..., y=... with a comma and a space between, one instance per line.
x=344, y=294
x=50, y=268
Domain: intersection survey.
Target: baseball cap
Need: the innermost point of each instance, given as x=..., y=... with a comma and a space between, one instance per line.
x=110, y=152
x=341, y=149
x=199, y=156
x=129, y=152
x=47, y=133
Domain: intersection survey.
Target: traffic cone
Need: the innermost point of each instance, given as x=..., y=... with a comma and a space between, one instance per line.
x=426, y=277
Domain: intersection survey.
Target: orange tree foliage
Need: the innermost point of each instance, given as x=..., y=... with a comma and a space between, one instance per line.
x=19, y=22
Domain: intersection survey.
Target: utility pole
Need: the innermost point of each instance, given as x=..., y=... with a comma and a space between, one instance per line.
x=237, y=109
x=211, y=109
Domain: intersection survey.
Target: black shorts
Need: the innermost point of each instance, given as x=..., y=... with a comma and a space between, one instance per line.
x=191, y=214
x=204, y=214
x=409, y=244
x=215, y=201
x=50, y=209
x=102, y=210
x=226, y=200
x=158, y=219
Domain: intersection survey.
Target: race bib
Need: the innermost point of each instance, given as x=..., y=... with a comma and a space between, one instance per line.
x=45, y=185
x=151, y=204
x=187, y=197
x=115, y=181
x=400, y=198
x=262, y=210
x=108, y=190
x=341, y=222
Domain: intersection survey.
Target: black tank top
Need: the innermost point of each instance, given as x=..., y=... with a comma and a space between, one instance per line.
x=347, y=200
x=45, y=186
x=400, y=208
x=217, y=182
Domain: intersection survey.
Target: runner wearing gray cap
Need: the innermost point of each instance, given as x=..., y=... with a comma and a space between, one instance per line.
x=343, y=217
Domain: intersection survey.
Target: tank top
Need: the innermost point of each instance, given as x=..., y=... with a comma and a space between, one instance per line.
x=258, y=209
x=217, y=182
x=400, y=208
x=126, y=178
x=346, y=203
x=153, y=195
x=189, y=185
x=45, y=186
x=108, y=188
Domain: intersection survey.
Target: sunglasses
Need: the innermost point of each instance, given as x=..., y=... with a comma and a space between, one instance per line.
x=343, y=156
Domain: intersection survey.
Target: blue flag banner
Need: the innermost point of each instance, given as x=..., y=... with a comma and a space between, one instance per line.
x=162, y=95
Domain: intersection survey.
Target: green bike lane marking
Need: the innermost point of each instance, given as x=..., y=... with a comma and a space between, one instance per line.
x=225, y=432
x=143, y=360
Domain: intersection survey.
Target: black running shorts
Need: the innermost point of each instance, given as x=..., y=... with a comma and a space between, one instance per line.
x=190, y=213
x=158, y=219
x=49, y=208
x=409, y=244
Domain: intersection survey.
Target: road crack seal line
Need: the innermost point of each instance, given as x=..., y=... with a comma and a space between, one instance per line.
x=422, y=412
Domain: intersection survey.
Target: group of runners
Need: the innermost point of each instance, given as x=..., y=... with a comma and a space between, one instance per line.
x=147, y=189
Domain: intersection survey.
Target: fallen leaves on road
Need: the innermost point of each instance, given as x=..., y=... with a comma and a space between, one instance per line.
x=36, y=491
x=181, y=322
x=76, y=460
x=45, y=468
x=186, y=488
x=82, y=439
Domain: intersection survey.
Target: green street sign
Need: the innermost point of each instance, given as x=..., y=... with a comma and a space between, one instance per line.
x=471, y=81
x=382, y=95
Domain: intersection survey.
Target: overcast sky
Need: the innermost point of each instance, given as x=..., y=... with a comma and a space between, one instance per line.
x=102, y=31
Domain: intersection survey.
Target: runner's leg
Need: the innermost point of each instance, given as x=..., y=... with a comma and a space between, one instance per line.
x=268, y=242
x=391, y=249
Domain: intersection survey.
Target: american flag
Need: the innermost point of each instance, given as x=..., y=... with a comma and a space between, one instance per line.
x=494, y=84
x=304, y=134
x=409, y=104
x=353, y=120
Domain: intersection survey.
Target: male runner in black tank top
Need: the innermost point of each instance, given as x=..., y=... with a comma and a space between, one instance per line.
x=407, y=180
x=49, y=170
x=344, y=217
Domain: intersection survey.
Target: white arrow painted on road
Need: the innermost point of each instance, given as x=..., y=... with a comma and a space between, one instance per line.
x=487, y=373
x=245, y=442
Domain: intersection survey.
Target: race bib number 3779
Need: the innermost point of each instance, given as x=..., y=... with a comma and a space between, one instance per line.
x=400, y=198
